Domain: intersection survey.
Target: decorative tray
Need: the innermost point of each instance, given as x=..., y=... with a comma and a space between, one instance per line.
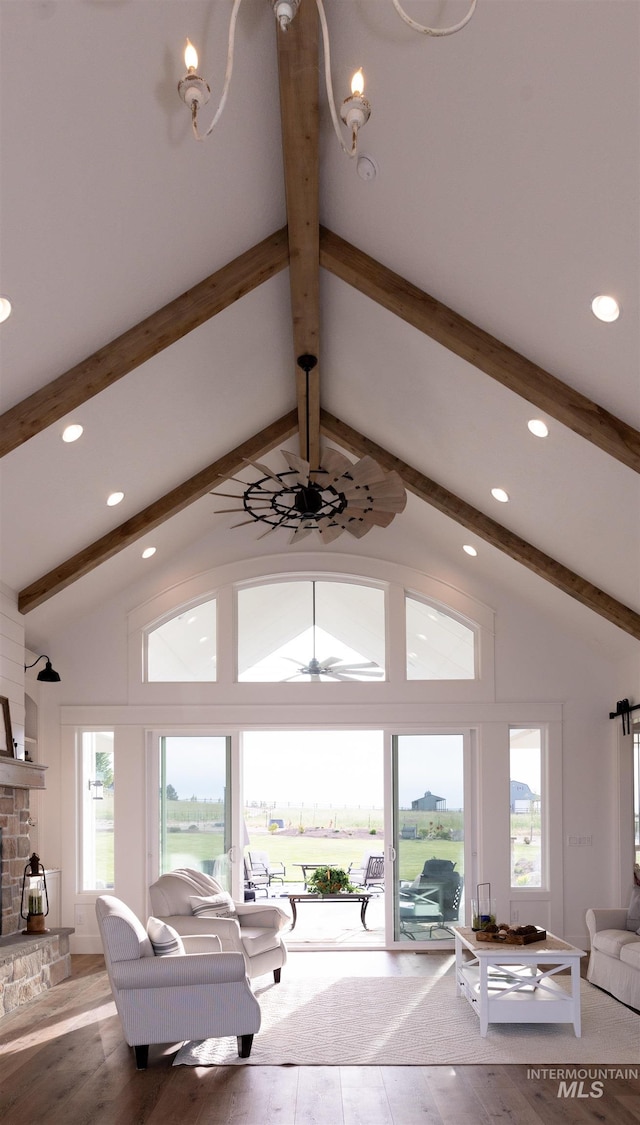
x=506, y=938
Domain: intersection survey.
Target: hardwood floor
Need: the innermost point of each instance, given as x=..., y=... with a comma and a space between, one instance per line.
x=63, y=1061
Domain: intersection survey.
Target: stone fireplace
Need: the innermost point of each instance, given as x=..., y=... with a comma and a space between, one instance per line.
x=14, y=854
x=29, y=963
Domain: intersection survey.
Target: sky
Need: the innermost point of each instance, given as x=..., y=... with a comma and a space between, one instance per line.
x=325, y=768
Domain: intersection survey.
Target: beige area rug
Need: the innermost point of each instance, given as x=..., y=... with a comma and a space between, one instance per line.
x=413, y=1021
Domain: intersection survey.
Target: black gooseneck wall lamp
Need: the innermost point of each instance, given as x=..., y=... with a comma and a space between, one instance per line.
x=48, y=674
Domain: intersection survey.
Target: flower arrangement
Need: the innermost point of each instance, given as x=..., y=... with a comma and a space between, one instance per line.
x=329, y=881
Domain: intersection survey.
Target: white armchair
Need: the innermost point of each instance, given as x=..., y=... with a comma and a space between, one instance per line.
x=201, y=995
x=253, y=928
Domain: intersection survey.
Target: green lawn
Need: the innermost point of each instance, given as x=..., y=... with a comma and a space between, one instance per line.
x=205, y=840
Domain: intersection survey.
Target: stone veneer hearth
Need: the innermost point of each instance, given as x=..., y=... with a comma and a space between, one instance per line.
x=30, y=965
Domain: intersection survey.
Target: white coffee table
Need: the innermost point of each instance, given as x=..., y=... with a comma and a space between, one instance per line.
x=518, y=983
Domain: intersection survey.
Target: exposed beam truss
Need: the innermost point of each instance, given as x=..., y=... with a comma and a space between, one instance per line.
x=156, y=513
x=477, y=347
x=356, y=443
x=298, y=72
x=143, y=341
x=485, y=527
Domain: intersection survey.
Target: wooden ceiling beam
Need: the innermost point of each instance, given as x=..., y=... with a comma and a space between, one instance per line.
x=298, y=74
x=485, y=527
x=143, y=341
x=156, y=513
x=477, y=347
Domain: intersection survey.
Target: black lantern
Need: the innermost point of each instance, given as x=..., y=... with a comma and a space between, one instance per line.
x=35, y=899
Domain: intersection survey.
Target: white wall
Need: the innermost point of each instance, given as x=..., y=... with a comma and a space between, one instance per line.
x=538, y=665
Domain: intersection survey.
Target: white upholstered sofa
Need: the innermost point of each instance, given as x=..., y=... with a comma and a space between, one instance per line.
x=253, y=928
x=614, y=961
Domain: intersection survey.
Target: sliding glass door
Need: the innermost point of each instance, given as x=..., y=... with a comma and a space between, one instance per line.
x=195, y=803
x=429, y=782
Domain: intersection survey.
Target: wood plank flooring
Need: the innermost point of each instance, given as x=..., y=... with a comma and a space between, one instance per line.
x=63, y=1061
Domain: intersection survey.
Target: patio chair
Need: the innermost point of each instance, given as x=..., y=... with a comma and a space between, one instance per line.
x=371, y=874
x=261, y=865
x=434, y=897
x=255, y=880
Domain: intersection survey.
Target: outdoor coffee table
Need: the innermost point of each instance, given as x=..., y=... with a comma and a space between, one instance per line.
x=516, y=983
x=363, y=899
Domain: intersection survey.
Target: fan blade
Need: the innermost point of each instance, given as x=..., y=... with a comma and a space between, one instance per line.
x=368, y=501
x=366, y=675
x=297, y=465
x=347, y=666
x=274, y=527
x=300, y=533
x=380, y=519
x=227, y=495
x=292, y=660
x=223, y=511
x=357, y=525
x=334, y=464
x=329, y=661
x=242, y=523
x=366, y=470
x=330, y=532
x=264, y=469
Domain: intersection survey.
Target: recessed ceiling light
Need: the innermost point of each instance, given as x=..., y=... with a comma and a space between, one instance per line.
x=538, y=427
x=469, y=549
x=5, y=308
x=203, y=639
x=605, y=308
x=72, y=432
x=500, y=494
x=148, y=552
x=115, y=498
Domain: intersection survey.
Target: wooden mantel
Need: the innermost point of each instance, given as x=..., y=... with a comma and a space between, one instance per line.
x=21, y=775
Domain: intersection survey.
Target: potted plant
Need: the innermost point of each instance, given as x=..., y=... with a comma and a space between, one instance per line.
x=329, y=881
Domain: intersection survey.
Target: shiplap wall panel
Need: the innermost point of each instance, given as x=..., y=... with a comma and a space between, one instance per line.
x=12, y=659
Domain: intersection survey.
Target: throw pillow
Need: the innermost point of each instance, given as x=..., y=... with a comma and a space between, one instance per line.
x=214, y=906
x=633, y=913
x=165, y=940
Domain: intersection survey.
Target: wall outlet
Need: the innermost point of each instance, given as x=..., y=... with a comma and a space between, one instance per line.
x=515, y=916
x=80, y=917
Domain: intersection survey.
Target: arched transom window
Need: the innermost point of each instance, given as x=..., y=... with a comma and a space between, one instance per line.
x=297, y=628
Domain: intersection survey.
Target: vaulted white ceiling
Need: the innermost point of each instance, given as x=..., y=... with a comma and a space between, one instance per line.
x=507, y=189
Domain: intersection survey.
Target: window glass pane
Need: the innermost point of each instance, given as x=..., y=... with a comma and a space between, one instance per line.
x=97, y=797
x=439, y=647
x=429, y=835
x=194, y=805
x=184, y=648
x=331, y=631
x=525, y=802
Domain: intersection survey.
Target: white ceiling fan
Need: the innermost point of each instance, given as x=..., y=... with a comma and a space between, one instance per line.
x=332, y=667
